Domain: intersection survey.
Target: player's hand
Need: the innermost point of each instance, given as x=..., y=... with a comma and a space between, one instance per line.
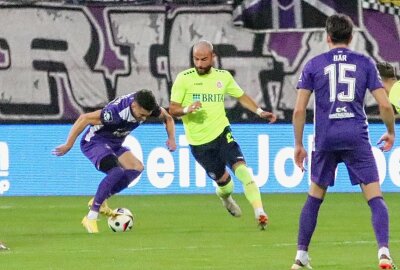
x=61, y=150
x=195, y=106
x=388, y=141
x=268, y=116
x=171, y=145
x=300, y=157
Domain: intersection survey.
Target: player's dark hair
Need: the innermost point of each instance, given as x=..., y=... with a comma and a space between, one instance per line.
x=340, y=28
x=146, y=100
x=386, y=70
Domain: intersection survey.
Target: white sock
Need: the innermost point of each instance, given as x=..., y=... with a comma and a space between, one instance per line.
x=383, y=251
x=259, y=211
x=92, y=214
x=302, y=256
x=229, y=198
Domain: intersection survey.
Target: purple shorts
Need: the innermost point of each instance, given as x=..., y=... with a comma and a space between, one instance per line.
x=95, y=151
x=360, y=164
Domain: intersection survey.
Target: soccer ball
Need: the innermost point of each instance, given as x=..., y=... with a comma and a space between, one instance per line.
x=122, y=221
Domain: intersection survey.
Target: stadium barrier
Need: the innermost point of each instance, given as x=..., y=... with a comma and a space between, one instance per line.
x=28, y=168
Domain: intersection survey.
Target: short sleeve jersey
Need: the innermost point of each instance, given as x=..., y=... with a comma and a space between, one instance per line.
x=394, y=96
x=339, y=79
x=117, y=121
x=210, y=89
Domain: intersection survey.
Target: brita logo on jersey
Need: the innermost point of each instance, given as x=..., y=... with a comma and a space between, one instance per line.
x=208, y=97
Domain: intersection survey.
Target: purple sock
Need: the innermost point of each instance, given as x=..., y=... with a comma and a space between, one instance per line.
x=308, y=221
x=114, y=176
x=380, y=220
x=130, y=175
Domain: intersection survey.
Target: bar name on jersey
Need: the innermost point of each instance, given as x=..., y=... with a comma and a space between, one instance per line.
x=339, y=57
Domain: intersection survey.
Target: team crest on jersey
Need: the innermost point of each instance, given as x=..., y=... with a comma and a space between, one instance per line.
x=107, y=116
x=219, y=85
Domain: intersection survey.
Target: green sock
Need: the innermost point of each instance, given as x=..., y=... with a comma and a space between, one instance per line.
x=226, y=190
x=251, y=190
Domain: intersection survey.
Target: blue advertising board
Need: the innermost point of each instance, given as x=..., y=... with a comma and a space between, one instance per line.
x=27, y=166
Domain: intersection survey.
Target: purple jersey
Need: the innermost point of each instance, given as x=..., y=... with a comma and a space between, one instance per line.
x=340, y=78
x=117, y=122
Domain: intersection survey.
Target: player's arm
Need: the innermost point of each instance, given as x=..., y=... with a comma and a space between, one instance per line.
x=170, y=128
x=387, y=116
x=177, y=110
x=92, y=118
x=178, y=92
x=299, y=120
x=248, y=103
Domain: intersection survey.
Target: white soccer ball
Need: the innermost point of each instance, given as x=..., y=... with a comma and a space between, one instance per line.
x=122, y=221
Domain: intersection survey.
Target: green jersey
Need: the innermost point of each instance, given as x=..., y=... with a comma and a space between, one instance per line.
x=394, y=95
x=210, y=89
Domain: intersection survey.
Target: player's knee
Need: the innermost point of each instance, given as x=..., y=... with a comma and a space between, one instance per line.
x=219, y=175
x=108, y=162
x=139, y=166
x=223, y=181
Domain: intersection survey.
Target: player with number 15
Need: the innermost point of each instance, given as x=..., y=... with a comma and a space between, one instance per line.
x=339, y=80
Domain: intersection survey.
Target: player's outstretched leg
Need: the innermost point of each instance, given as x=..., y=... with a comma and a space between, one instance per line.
x=224, y=192
x=252, y=193
x=3, y=246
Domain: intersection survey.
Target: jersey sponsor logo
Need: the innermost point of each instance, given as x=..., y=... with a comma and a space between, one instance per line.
x=198, y=83
x=212, y=97
x=120, y=133
x=107, y=116
x=208, y=97
x=196, y=97
x=341, y=112
x=341, y=109
x=219, y=85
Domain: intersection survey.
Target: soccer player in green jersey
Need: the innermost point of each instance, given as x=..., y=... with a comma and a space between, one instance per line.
x=198, y=96
x=390, y=83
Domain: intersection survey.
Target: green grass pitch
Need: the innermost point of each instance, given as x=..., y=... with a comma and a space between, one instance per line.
x=189, y=232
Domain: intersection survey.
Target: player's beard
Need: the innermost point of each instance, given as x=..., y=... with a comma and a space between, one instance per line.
x=203, y=71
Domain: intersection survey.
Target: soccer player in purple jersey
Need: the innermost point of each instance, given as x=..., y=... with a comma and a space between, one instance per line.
x=102, y=145
x=339, y=79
